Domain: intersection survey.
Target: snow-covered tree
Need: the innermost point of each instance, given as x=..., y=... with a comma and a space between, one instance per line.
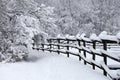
x=21, y=20
x=104, y=13
x=47, y=19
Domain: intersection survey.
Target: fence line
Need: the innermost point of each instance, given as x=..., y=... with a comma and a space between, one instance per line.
x=63, y=45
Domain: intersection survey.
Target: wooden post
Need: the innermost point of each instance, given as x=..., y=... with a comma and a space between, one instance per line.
x=93, y=57
x=67, y=47
x=79, y=58
x=104, y=56
x=33, y=44
x=79, y=49
x=33, y=47
x=37, y=48
x=42, y=47
x=58, y=46
x=50, y=41
x=84, y=44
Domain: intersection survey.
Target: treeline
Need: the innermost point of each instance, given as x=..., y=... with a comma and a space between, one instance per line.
x=21, y=20
x=90, y=16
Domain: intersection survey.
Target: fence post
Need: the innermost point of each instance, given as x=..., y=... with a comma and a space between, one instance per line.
x=93, y=57
x=33, y=47
x=67, y=47
x=50, y=41
x=84, y=44
x=104, y=56
x=42, y=47
x=79, y=44
x=58, y=46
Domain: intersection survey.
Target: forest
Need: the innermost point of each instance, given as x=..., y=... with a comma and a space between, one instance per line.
x=21, y=20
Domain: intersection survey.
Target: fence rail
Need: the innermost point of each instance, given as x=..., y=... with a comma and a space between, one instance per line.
x=86, y=46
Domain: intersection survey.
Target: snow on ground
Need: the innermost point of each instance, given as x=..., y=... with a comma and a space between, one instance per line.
x=48, y=66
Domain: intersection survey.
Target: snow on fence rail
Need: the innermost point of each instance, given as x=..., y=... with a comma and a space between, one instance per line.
x=80, y=43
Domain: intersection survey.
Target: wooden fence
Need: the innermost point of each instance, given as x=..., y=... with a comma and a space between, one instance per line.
x=96, y=47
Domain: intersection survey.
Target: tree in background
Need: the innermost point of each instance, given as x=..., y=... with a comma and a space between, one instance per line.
x=101, y=14
x=20, y=21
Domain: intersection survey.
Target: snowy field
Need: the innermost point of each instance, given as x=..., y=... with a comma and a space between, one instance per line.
x=48, y=66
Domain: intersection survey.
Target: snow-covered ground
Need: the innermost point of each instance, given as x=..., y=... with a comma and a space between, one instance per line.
x=48, y=66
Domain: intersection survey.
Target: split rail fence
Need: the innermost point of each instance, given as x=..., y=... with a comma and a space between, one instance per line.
x=96, y=46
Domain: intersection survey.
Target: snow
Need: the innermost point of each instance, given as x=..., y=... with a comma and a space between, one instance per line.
x=46, y=66
x=109, y=72
x=114, y=66
x=118, y=35
x=111, y=54
x=70, y=37
x=59, y=36
x=118, y=72
x=86, y=49
x=96, y=51
x=83, y=37
x=104, y=36
x=94, y=37
x=88, y=60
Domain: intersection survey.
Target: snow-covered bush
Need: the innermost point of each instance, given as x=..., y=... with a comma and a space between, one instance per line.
x=14, y=54
x=22, y=21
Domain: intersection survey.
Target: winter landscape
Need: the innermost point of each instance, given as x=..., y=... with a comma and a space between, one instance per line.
x=60, y=39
